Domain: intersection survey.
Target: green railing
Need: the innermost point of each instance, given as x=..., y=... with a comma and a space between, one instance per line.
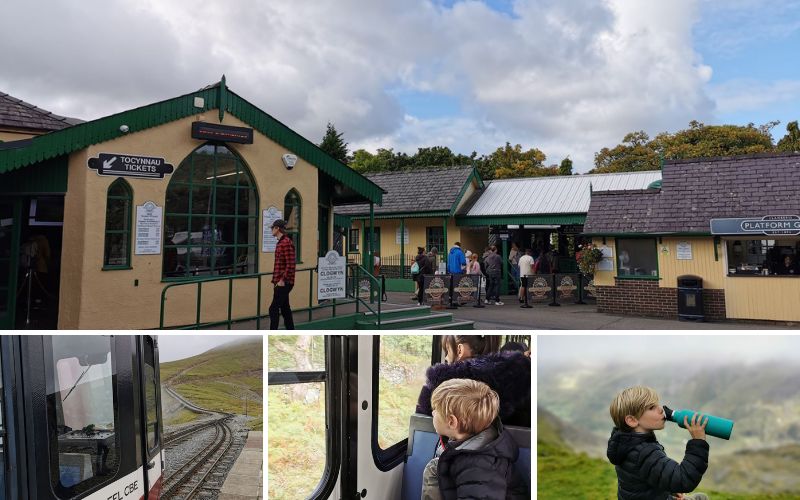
x=355, y=270
x=376, y=291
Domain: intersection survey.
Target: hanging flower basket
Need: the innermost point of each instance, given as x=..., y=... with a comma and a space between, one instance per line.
x=588, y=257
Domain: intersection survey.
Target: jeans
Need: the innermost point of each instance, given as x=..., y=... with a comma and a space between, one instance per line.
x=280, y=304
x=493, y=287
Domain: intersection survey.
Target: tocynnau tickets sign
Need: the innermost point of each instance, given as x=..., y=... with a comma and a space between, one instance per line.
x=118, y=164
x=769, y=225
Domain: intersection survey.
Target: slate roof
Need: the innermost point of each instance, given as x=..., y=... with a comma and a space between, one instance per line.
x=421, y=190
x=16, y=113
x=695, y=191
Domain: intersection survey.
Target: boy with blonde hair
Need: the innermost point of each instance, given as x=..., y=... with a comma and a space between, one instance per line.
x=475, y=455
x=644, y=471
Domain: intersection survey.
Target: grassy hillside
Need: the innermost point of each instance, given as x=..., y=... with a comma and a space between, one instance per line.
x=563, y=473
x=222, y=378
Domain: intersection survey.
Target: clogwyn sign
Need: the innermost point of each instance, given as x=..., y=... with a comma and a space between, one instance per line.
x=769, y=225
x=118, y=164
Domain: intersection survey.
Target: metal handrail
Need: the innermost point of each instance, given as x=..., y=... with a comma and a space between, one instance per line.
x=377, y=282
x=198, y=282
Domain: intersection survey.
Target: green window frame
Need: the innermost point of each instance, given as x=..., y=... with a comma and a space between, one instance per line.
x=292, y=210
x=434, y=237
x=636, y=266
x=117, y=240
x=210, y=216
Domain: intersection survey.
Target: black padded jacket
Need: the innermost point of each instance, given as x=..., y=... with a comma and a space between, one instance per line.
x=645, y=472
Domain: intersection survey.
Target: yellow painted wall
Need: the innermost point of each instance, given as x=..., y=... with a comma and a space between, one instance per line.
x=769, y=298
x=702, y=263
x=765, y=298
x=13, y=135
x=416, y=234
x=93, y=298
x=606, y=278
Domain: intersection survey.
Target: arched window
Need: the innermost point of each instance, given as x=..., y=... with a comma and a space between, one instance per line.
x=119, y=199
x=211, y=216
x=292, y=206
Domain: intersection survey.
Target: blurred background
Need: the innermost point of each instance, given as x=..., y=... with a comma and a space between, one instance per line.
x=753, y=380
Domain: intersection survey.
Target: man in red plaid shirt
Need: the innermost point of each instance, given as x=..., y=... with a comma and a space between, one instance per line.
x=282, y=277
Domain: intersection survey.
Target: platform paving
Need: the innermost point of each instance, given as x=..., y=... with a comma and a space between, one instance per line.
x=245, y=481
x=578, y=317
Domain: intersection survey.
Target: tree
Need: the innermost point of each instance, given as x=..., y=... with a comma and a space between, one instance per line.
x=566, y=167
x=791, y=141
x=702, y=141
x=634, y=154
x=511, y=161
x=333, y=144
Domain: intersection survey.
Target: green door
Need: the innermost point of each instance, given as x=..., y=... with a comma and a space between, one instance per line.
x=9, y=254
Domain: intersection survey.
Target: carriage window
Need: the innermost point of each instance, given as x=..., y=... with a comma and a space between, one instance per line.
x=150, y=387
x=296, y=422
x=402, y=362
x=81, y=413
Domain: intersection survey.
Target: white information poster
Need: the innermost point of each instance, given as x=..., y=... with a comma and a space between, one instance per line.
x=332, y=270
x=405, y=236
x=684, y=251
x=607, y=262
x=268, y=216
x=149, y=218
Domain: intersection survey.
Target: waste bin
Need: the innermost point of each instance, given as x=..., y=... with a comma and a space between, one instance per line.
x=690, y=298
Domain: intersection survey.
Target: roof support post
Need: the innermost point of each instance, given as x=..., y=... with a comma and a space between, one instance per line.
x=402, y=248
x=444, y=233
x=504, y=258
x=371, y=268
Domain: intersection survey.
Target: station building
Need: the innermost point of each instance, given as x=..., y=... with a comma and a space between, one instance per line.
x=732, y=222
x=437, y=207
x=97, y=218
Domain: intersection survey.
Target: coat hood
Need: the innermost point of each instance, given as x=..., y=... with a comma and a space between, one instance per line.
x=505, y=372
x=621, y=443
x=492, y=441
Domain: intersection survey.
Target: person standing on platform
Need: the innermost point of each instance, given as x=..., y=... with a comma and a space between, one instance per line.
x=493, y=271
x=456, y=262
x=282, y=277
x=525, y=269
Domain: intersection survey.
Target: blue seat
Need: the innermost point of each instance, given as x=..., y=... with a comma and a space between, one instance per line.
x=422, y=441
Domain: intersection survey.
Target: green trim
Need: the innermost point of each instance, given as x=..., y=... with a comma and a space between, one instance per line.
x=222, y=97
x=342, y=221
x=83, y=135
x=640, y=278
x=473, y=175
x=643, y=235
x=49, y=176
x=500, y=220
x=407, y=215
x=655, y=184
x=295, y=234
x=120, y=268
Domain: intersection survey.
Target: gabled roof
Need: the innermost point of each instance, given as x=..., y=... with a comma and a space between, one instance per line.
x=695, y=191
x=18, y=114
x=568, y=194
x=422, y=192
x=217, y=97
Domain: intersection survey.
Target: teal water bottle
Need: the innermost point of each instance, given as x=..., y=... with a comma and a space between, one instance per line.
x=716, y=426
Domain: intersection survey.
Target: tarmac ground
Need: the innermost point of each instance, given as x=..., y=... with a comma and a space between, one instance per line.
x=577, y=317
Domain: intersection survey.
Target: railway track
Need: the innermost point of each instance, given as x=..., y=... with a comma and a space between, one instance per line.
x=200, y=475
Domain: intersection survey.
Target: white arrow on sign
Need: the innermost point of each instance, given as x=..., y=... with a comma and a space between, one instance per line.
x=107, y=164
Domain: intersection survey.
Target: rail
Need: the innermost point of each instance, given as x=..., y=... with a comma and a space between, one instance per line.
x=356, y=272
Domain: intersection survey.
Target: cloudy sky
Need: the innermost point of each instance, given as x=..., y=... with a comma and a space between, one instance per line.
x=560, y=350
x=181, y=346
x=566, y=76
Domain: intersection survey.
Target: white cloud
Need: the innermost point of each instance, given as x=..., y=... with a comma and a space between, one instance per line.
x=568, y=77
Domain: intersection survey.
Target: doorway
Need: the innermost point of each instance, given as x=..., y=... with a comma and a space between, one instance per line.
x=38, y=262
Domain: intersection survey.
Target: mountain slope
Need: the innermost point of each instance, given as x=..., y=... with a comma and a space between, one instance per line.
x=227, y=378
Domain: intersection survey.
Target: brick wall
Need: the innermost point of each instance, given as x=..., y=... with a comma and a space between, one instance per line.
x=646, y=298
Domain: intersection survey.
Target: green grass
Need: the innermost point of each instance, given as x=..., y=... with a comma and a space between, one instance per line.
x=563, y=473
x=183, y=416
x=221, y=379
